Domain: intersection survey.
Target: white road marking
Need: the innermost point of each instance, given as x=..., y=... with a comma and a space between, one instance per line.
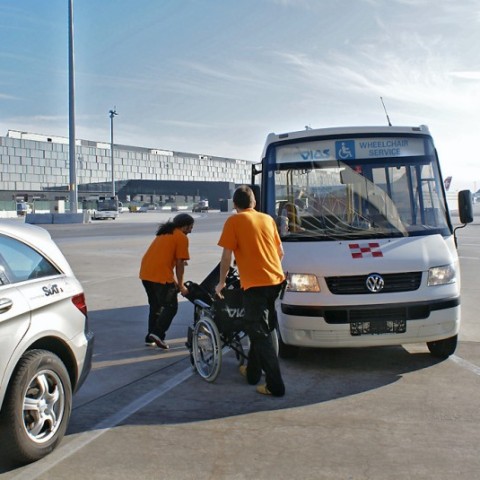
x=463, y=363
x=36, y=469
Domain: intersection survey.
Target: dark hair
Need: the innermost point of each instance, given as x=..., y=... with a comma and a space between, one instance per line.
x=244, y=197
x=181, y=220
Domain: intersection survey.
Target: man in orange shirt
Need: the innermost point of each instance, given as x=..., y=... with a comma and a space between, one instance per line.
x=167, y=252
x=253, y=238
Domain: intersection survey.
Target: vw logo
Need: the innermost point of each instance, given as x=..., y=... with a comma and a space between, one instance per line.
x=375, y=283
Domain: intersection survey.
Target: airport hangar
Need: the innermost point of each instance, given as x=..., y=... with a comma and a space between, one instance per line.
x=36, y=166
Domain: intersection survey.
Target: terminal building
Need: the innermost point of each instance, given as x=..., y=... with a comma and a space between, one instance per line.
x=35, y=166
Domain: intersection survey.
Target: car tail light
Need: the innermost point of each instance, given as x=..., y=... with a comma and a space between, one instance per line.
x=79, y=302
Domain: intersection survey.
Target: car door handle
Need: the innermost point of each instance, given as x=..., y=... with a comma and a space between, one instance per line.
x=5, y=305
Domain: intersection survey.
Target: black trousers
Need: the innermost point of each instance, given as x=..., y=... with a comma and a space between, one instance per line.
x=260, y=319
x=163, y=302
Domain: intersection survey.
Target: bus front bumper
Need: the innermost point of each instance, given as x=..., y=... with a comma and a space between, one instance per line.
x=365, y=326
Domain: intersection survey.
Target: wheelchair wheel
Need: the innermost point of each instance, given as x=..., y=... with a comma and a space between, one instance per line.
x=207, y=351
x=237, y=346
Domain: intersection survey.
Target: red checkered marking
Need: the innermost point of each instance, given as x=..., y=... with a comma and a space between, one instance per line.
x=363, y=250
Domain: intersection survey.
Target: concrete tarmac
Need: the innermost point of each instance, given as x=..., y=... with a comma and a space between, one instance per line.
x=374, y=413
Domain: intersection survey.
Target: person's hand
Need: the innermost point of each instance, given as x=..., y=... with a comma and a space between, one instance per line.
x=184, y=290
x=219, y=288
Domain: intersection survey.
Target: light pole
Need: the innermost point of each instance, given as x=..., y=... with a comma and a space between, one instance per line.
x=112, y=114
x=71, y=101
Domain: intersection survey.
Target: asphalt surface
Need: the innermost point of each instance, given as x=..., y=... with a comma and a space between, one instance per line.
x=375, y=413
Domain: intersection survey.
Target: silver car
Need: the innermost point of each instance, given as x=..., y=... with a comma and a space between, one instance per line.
x=45, y=342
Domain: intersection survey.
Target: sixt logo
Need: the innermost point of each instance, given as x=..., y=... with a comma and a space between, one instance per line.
x=315, y=154
x=52, y=290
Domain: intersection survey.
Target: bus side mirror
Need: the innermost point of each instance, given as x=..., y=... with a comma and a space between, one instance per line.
x=465, y=206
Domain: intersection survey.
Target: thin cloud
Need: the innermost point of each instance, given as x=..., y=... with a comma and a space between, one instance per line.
x=421, y=80
x=227, y=73
x=466, y=75
x=5, y=96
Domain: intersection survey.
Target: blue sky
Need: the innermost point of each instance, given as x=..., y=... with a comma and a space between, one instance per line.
x=216, y=76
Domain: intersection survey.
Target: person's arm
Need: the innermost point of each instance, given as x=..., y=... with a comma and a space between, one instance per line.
x=280, y=251
x=225, y=263
x=179, y=271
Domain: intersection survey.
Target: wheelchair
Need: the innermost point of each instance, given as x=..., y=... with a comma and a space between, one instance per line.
x=218, y=324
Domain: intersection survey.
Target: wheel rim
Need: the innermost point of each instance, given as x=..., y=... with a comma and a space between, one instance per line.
x=43, y=406
x=206, y=351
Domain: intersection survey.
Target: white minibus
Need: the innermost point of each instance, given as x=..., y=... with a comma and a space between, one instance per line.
x=370, y=249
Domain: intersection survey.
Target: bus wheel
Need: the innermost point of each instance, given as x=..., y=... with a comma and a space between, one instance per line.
x=286, y=351
x=443, y=348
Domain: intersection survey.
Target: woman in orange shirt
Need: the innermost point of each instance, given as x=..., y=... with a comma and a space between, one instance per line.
x=161, y=272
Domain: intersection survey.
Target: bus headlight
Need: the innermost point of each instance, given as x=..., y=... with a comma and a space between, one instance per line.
x=302, y=282
x=441, y=275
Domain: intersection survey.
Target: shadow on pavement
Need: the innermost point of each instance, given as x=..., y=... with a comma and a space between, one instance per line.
x=125, y=369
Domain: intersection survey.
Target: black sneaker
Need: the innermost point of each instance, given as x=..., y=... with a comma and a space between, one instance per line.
x=158, y=341
x=149, y=342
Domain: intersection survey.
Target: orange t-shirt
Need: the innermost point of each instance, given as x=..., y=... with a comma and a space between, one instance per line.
x=253, y=238
x=160, y=258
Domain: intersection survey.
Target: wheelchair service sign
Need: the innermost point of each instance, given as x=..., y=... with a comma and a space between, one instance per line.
x=385, y=147
x=345, y=149
x=350, y=149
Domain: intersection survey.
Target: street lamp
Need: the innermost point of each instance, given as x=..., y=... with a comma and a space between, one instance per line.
x=71, y=113
x=112, y=114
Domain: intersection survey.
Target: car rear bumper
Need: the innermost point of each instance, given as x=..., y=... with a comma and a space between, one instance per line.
x=87, y=363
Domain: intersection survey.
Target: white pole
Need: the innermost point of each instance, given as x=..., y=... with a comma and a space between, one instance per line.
x=112, y=114
x=71, y=96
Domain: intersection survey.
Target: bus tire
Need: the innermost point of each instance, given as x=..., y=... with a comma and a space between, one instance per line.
x=443, y=348
x=286, y=351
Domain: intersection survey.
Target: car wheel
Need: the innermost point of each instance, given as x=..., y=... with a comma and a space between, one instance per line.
x=37, y=407
x=443, y=348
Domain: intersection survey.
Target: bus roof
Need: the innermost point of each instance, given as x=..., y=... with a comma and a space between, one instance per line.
x=332, y=131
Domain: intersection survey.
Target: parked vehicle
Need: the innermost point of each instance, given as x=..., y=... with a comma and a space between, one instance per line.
x=23, y=208
x=102, y=208
x=45, y=342
x=146, y=207
x=370, y=251
x=122, y=208
x=201, y=206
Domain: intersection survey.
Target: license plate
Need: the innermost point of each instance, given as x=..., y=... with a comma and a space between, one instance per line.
x=378, y=327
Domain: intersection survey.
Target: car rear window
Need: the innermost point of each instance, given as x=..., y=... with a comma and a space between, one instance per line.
x=19, y=262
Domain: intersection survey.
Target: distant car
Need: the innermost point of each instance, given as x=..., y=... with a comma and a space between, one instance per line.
x=23, y=208
x=122, y=208
x=45, y=342
x=201, y=206
x=146, y=207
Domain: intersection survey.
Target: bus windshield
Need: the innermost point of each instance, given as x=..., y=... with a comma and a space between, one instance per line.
x=357, y=188
x=107, y=205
